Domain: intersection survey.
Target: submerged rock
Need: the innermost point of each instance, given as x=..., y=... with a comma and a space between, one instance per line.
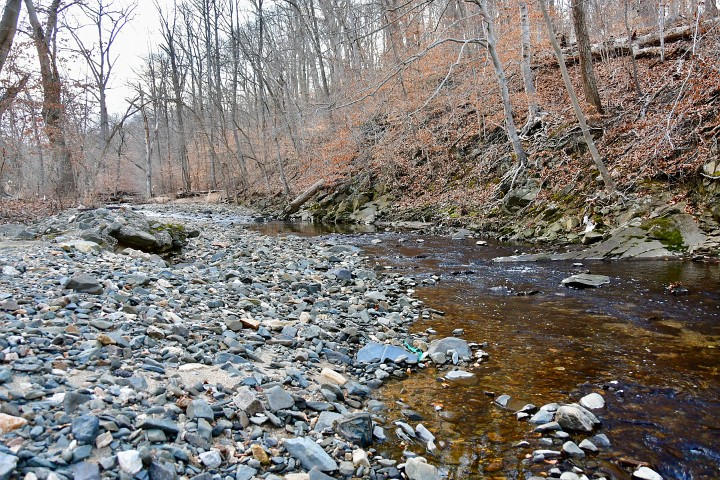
x=585, y=280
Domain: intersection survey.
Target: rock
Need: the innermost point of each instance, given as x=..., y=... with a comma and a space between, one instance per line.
x=310, y=454
x=326, y=421
x=199, y=409
x=418, y=469
x=356, y=428
x=448, y=344
x=360, y=458
x=85, y=428
x=645, y=473
x=82, y=246
x=585, y=280
x=377, y=352
x=8, y=463
x=8, y=423
x=279, y=399
x=244, y=472
x=85, y=283
x=333, y=376
x=86, y=471
x=542, y=417
x=588, y=445
x=211, y=458
x=162, y=471
x=246, y=400
x=503, y=400
x=572, y=450
x=130, y=461
x=461, y=377
x=593, y=401
x=575, y=418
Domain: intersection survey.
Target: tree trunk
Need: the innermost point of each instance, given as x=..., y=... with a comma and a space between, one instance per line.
x=53, y=110
x=586, y=67
x=8, y=27
x=528, y=81
x=491, y=43
x=607, y=179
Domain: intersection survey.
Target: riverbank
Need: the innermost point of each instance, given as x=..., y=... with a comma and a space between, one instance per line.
x=271, y=338
x=238, y=359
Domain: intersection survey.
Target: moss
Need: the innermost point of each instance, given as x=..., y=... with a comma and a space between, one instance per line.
x=664, y=230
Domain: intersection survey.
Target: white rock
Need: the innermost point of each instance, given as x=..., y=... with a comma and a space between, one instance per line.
x=645, y=473
x=418, y=469
x=297, y=476
x=333, y=376
x=130, y=461
x=360, y=458
x=593, y=401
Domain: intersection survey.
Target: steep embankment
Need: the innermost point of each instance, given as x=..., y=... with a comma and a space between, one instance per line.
x=450, y=163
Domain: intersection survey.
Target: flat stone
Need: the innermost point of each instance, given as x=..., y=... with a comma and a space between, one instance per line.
x=585, y=280
x=279, y=399
x=378, y=352
x=85, y=283
x=211, y=458
x=86, y=471
x=199, y=409
x=310, y=454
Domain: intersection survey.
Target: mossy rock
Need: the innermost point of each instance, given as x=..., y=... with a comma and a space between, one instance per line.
x=666, y=231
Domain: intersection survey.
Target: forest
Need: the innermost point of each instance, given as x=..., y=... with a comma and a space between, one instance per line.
x=439, y=102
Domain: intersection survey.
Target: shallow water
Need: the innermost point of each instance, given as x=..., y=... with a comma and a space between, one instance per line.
x=654, y=356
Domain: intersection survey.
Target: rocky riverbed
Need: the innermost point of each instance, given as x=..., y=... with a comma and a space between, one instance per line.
x=247, y=356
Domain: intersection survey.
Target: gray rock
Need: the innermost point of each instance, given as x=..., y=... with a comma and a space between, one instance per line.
x=585, y=280
x=326, y=420
x=588, y=445
x=246, y=400
x=503, y=400
x=244, y=472
x=593, y=401
x=8, y=463
x=5, y=375
x=85, y=283
x=164, y=424
x=85, y=428
x=86, y=471
x=576, y=418
x=542, y=417
x=310, y=454
x=279, y=399
x=162, y=471
x=356, y=428
x=211, y=458
x=315, y=474
x=199, y=409
x=447, y=344
x=461, y=377
x=601, y=440
x=73, y=400
x=378, y=352
x=572, y=450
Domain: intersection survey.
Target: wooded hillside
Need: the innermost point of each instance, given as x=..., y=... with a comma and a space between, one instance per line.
x=441, y=102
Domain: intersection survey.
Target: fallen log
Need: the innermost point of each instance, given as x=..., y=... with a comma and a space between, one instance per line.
x=642, y=46
x=295, y=205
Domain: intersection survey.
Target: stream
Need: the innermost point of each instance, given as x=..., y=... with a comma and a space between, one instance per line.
x=653, y=355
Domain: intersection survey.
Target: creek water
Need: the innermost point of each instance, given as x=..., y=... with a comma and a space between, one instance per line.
x=654, y=356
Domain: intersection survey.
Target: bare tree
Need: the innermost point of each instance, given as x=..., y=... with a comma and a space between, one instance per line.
x=528, y=81
x=582, y=38
x=53, y=110
x=491, y=45
x=107, y=20
x=607, y=179
x=8, y=27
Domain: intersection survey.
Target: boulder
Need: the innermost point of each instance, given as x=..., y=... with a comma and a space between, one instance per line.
x=576, y=418
x=448, y=344
x=593, y=401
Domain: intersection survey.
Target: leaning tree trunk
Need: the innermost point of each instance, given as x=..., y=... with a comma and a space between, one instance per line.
x=586, y=66
x=607, y=179
x=533, y=107
x=491, y=43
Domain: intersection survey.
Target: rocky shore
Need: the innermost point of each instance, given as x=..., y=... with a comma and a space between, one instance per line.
x=244, y=357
